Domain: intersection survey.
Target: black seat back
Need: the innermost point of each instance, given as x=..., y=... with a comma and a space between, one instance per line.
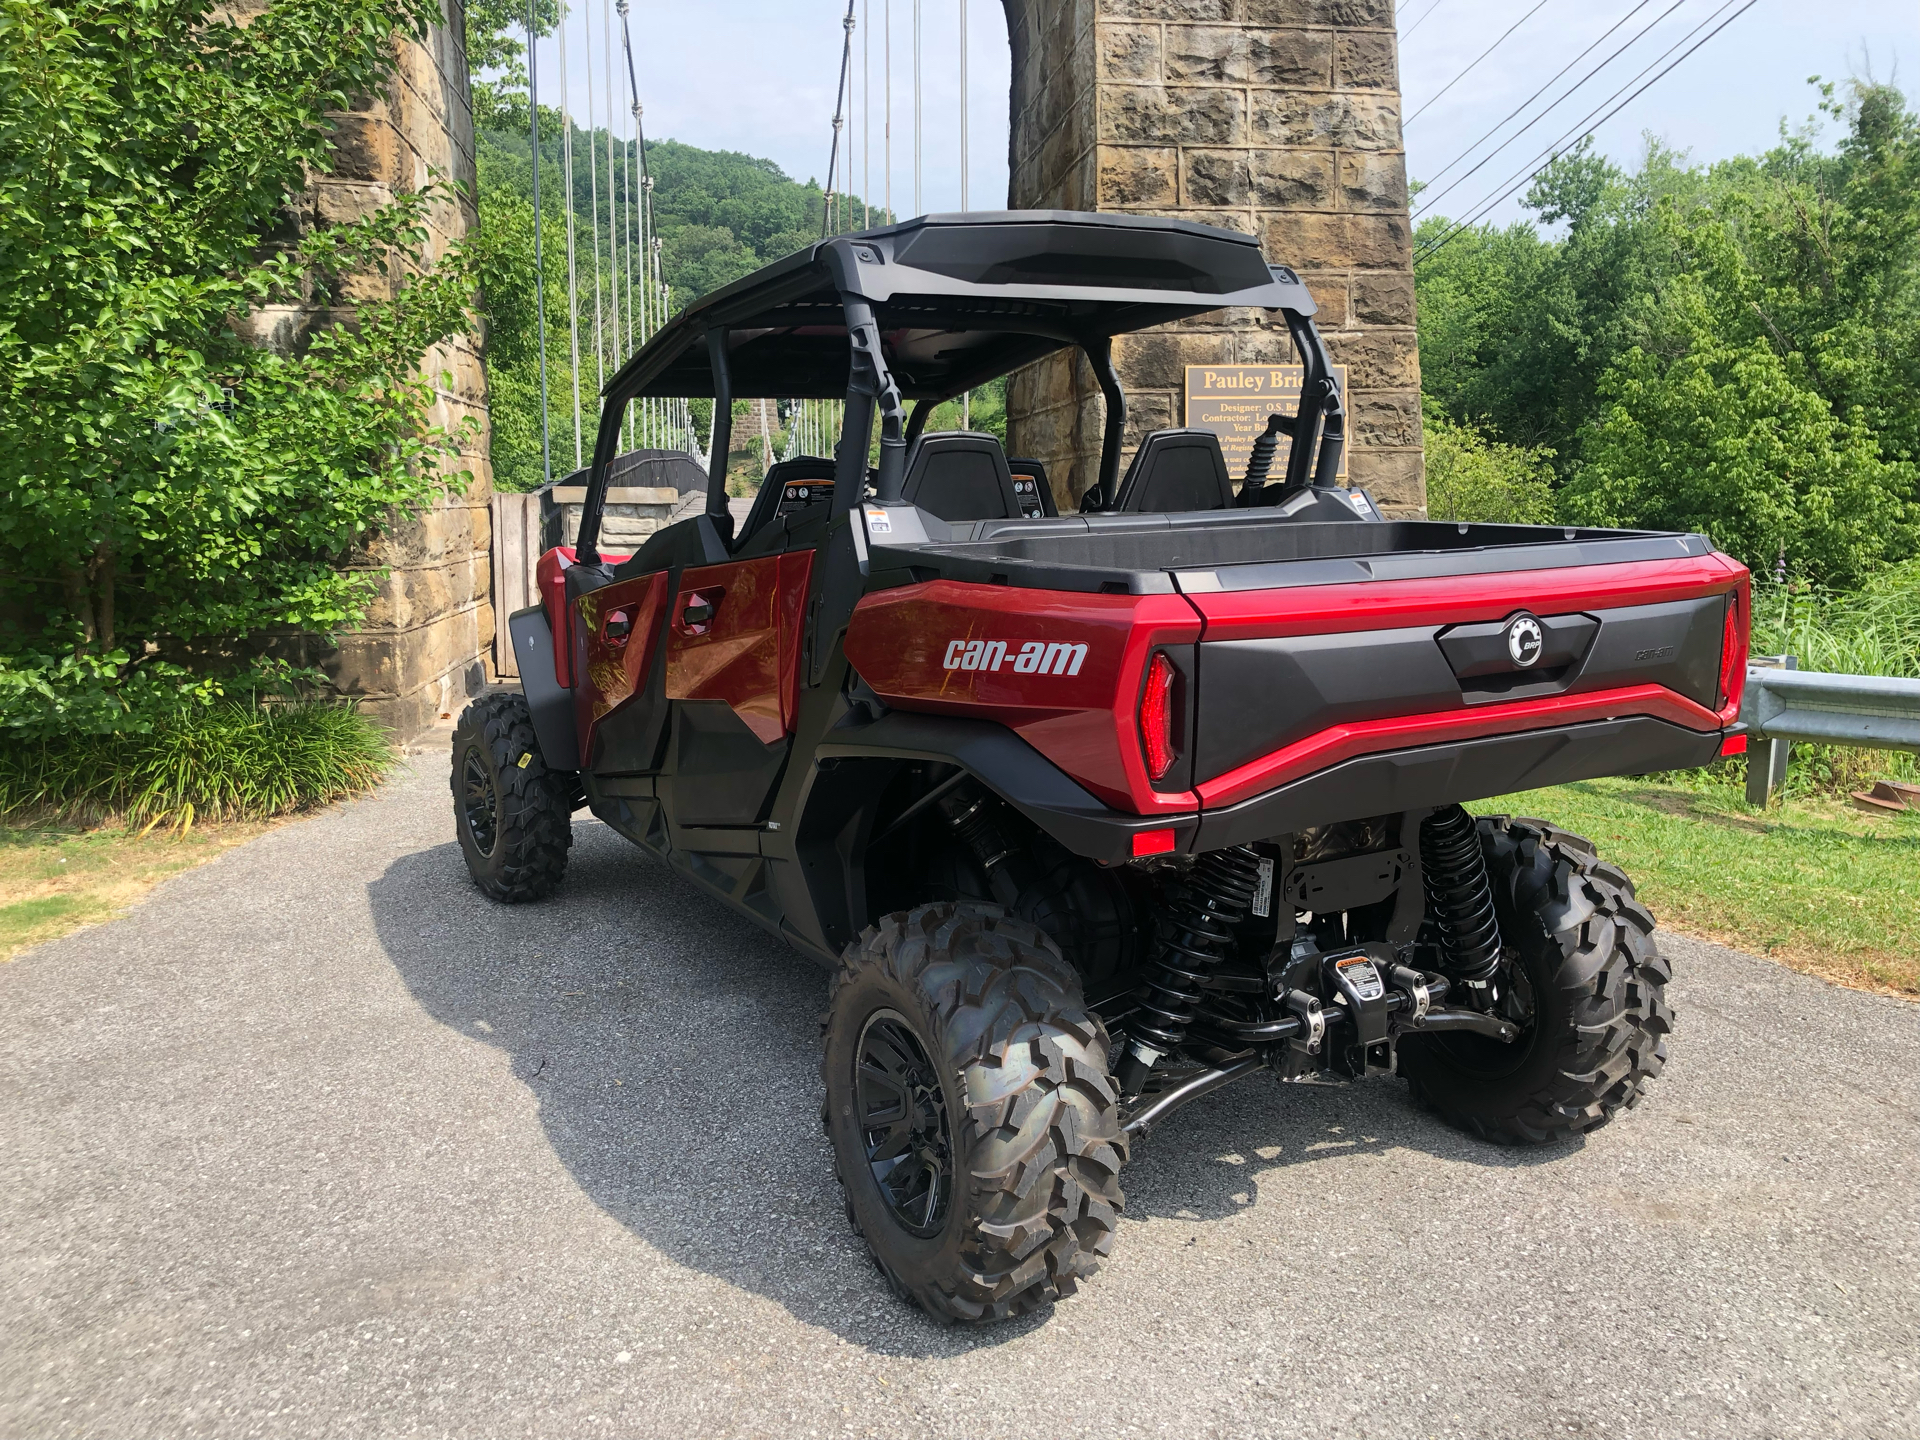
x=960, y=475
x=766, y=504
x=1176, y=470
x=1031, y=488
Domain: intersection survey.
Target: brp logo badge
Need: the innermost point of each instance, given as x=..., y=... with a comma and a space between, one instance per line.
x=1525, y=641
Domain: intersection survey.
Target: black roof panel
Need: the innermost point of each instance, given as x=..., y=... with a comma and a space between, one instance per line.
x=960, y=299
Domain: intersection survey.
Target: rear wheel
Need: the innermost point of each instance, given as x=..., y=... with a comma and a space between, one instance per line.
x=1584, y=981
x=976, y=1132
x=514, y=817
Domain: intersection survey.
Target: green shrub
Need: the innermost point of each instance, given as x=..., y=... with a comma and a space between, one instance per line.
x=1471, y=477
x=223, y=762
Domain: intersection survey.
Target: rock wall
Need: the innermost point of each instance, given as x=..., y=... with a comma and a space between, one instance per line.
x=421, y=651
x=1277, y=118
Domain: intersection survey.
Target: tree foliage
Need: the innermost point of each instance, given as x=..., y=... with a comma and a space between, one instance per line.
x=172, y=492
x=1732, y=348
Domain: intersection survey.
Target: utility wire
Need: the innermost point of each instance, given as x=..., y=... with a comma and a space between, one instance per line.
x=1574, y=89
x=1483, y=55
x=1585, y=128
x=1423, y=18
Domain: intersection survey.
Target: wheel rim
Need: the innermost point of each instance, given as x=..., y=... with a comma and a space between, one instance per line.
x=479, y=803
x=903, y=1124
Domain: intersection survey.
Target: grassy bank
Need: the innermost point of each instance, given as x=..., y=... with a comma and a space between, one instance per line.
x=1810, y=882
x=56, y=879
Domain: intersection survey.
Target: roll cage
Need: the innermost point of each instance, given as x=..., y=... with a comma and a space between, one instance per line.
x=925, y=310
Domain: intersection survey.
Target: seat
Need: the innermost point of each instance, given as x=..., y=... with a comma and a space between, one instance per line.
x=766, y=504
x=960, y=475
x=1176, y=470
x=1031, y=488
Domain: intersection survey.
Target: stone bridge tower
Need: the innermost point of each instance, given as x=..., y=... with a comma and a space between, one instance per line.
x=1277, y=118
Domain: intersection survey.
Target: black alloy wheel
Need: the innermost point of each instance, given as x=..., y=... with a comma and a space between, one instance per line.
x=903, y=1124
x=479, y=803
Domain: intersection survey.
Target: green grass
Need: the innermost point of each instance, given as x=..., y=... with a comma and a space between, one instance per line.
x=226, y=762
x=1811, y=882
x=56, y=878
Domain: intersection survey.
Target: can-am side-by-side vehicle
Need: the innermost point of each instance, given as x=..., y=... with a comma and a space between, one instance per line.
x=1093, y=813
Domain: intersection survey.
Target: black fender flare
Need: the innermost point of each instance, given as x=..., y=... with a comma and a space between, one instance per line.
x=1015, y=771
x=551, y=704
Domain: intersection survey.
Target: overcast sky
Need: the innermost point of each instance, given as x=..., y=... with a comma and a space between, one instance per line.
x=758, y=76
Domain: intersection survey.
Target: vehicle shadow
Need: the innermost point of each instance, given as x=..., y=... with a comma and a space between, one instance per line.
x=672, y=1048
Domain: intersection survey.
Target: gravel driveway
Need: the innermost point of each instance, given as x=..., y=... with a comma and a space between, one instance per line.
x=317, y=1142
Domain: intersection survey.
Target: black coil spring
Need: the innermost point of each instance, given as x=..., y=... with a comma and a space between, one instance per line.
x=1459, y=894
x=1260, y=462
x=1198, y=935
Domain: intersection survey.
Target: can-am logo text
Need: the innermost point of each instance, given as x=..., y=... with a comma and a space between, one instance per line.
x=1034, y=657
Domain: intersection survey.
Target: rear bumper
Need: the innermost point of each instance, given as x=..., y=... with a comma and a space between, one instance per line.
x=1458, y=772
x=1378, y=784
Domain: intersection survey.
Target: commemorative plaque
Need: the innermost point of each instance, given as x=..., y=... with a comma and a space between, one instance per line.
x=1234, y=401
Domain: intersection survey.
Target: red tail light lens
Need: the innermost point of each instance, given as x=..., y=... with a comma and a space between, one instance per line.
x=1733, y=652
x=1156, y=717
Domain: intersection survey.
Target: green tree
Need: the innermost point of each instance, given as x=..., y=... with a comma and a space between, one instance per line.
x=1470, y=477
x=172, y=493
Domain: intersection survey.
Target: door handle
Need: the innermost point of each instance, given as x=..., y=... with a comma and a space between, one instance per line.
x=697, y=609
x=616, y=627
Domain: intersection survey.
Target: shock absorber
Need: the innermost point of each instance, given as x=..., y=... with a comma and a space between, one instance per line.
x=1260, y=462
x=1460, y=896
x=1196, y=936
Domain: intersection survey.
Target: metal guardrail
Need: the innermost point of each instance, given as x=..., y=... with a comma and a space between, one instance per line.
x=1782, y=705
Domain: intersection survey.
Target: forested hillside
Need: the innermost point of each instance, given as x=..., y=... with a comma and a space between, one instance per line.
x=1732, y=348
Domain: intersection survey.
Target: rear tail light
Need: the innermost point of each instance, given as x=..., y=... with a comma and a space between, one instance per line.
x=1733, y=652
x=1156, y=717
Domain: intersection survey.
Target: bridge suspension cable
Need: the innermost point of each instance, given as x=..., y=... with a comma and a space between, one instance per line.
x=539, y=267
x=573, y=278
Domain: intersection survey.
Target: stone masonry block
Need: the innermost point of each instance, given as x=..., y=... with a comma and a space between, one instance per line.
x=1215, y=177
x=1342, y=242
x=1329, y=291
x=1339, y=14
x=1364, y=60
x=1377, y=359
x=1170, y=115
x=1373, y=180
x=1385, y=417
x=1289, y=58
x=1397, y=478
x=1291, y=179
x=1158, y=359
x=1132, y=176
x=364, y=149
x=1169, y=9
x=1130, y=52
x=1301, y=119
x=1383, y=298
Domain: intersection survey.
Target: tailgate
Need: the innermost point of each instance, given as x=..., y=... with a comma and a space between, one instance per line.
x=1292, y=680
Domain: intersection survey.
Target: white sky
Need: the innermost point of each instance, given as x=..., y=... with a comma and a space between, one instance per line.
x=758, y=76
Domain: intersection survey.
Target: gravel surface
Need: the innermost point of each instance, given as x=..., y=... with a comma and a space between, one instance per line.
x=318, y=1142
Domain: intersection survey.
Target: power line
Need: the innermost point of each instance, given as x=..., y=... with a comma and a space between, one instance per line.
x=1483, y=55
x=1423, y=19
x=1574, y=89
x=1585, y=128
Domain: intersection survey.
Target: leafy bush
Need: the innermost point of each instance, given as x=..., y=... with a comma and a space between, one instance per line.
x=172, y=493
x=1473, y=478
x=226, y=762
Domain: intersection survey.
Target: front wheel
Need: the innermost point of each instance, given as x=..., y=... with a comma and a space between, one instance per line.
x=1584, y=981
x=514, y=817
x=976, y=1131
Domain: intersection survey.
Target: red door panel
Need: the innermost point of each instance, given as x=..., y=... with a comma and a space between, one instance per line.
x=620, y=625
x=733, y=634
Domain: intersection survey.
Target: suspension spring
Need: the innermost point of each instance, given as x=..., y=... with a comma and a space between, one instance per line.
x=1459, y=894
x=1196, y=937
x=1260, y=462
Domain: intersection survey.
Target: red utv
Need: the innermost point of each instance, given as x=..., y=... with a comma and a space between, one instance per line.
x=1093, y=813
